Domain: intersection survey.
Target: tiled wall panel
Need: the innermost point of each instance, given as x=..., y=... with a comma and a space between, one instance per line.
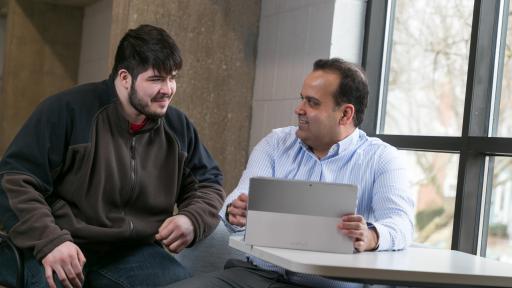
x=293, y=34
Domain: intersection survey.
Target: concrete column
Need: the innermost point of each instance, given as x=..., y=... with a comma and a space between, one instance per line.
x=218, y=40
x=41, y=58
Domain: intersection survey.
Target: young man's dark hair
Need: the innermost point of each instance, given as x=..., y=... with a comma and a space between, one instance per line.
x=146, y=47
x=353, y=86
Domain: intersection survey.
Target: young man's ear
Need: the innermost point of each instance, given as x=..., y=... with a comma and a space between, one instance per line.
x=347, y=114
x=125, y=78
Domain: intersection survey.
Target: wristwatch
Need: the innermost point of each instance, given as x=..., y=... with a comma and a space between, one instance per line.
x=226, y=215
x=372, y=227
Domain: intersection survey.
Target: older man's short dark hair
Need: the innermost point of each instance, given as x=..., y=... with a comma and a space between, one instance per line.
x=353, y=86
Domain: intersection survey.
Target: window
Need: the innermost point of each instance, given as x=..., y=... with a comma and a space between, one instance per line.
x=499, y=230
x=427, y=67
x=440, y=76
x=433, y=179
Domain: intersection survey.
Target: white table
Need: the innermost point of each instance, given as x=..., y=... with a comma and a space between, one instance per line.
x=413, y=266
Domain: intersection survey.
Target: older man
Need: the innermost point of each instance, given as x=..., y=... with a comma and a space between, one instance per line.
x=326, y=146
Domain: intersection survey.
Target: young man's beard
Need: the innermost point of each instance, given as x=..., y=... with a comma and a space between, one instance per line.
x=141, y=107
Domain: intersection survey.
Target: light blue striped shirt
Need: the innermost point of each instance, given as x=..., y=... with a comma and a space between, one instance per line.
x=377, y=168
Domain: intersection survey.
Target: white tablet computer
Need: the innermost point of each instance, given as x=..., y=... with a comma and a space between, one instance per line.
x=298, y=214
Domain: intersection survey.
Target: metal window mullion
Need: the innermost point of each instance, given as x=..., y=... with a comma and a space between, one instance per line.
x=487, y=207
x=477, y=109
x=500, y=148
x=440, y=144
x=489, y=146
x=499, y=69
x=495, y=146
x=373, y=54
x=386, y=63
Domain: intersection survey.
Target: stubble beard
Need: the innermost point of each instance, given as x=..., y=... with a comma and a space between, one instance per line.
x=141, y=107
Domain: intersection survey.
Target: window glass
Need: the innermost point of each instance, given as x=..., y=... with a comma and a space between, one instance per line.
x=428, y=67
x=433, y=179
x=504, y=127
x=499, y=231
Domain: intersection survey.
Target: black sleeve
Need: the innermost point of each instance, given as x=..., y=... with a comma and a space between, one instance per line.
x=26, y=179
x=201, y=194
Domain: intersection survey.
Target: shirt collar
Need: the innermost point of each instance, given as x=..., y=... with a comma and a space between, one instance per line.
x=342, y=147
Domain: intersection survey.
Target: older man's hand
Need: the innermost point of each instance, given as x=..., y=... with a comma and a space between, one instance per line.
x=356, y=228
x=237, y=211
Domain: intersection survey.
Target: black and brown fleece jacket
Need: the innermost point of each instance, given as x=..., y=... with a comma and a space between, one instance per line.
x=76, y=173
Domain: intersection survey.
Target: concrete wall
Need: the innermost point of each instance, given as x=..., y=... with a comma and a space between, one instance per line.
x=95, y=44
x=3, y=21
x=41, y=58
x=218, y=41
x=2, y=49
x=293, y=34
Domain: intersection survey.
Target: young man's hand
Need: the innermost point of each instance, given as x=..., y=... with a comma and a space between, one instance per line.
x=237, y=211
x=355, y=227
x=176, y=233
x=67, y=261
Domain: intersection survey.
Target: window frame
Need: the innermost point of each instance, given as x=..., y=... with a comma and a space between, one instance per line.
x=474, y=145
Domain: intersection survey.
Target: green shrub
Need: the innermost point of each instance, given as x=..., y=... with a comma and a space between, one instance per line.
x=498, y=230
x=424, y=217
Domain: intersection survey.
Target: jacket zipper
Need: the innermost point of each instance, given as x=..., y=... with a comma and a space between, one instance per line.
x=132, y=176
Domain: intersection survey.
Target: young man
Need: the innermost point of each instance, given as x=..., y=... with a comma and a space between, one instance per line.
x=326, y=146
x=88, y=186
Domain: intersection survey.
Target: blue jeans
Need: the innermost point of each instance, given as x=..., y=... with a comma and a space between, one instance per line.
x=147, y=265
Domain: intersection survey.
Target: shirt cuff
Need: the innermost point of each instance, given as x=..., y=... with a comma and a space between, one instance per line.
x=384, y=242
x=372, y=227
x=231, y=228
